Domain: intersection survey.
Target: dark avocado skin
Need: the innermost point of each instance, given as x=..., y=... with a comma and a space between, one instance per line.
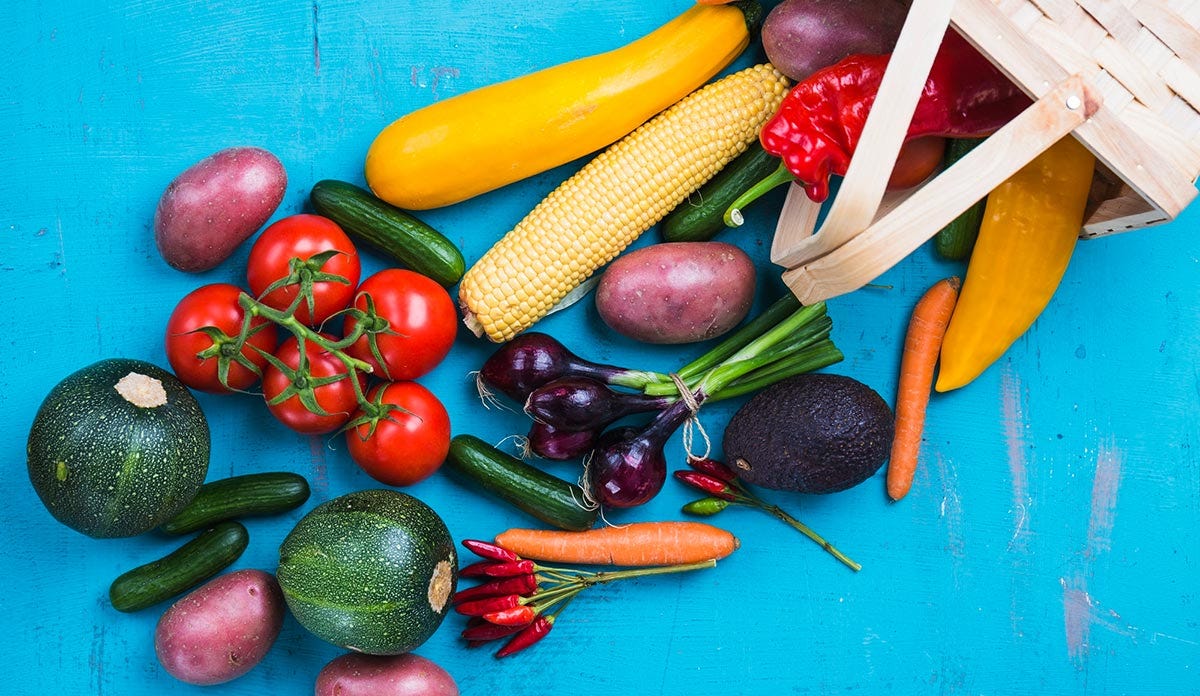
x=813, y=433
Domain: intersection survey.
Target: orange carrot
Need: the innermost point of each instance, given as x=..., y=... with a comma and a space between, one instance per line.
x=921, y=347
x=636, y=544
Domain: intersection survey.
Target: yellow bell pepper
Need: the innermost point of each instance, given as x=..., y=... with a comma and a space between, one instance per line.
x=1030, y=226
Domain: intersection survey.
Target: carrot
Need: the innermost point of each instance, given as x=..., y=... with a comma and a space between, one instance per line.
x=636, y=544
x=922, y=344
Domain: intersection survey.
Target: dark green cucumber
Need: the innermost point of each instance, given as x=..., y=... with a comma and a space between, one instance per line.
x=389, y=229
x=548, y=498
x=956, y=240
x=251, y=495
x=700, y=217
x=184, y=568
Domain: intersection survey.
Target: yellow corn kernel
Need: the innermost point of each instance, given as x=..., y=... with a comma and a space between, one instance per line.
x=624, y=191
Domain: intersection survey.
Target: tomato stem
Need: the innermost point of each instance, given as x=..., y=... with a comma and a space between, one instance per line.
x=302, y=381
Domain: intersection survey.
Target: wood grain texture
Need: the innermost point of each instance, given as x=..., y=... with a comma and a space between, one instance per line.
x=1048, y=544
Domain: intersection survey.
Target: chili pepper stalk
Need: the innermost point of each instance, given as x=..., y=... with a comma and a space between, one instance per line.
x=734, y=492
x=511, y=606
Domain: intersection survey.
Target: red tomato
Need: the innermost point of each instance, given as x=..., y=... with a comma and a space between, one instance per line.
x=336, y=398
x=409, y=443
x=918, y=159
x=421, y=315
x=303, y=236
x=195, y=357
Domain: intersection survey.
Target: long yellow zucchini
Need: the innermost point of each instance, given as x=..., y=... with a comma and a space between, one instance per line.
x=481, y=140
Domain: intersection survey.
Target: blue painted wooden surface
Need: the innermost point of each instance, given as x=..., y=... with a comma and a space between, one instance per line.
x=1049, y=543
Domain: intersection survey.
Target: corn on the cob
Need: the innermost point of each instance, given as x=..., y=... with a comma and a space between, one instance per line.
x=606, y=205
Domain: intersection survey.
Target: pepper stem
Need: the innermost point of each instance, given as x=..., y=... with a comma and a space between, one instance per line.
x=733, y=214
x=747, y=498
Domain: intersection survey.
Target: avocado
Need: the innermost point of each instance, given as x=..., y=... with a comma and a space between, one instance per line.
x=812, y=433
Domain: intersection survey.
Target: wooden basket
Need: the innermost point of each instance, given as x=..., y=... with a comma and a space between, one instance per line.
x=1122, y=76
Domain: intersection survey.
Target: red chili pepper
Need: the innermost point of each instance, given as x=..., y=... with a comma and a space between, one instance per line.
x=488, y=605
x=819, y=123
x=492, y=551
x=708, y=484
x=713, y=468
x=494, y=569
x=528, y=636
x=516, y=616
x=479, y=630
x=520, y=585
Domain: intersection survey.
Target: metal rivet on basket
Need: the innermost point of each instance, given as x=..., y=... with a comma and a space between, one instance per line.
x=1074, y=102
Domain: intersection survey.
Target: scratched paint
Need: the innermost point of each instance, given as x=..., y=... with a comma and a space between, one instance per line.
x=1104, y=498
x=1012, y=396
x=316, y=40
x=1077, y=619
x=1079, y=608
x=950, y=509
x=317, y=460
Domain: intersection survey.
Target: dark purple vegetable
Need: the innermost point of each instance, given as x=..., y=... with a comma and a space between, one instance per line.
x=582, y=403
x=533, y=359
x=628, y=467
x=549, y=442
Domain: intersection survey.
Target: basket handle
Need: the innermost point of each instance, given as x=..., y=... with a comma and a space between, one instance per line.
x=897, y=234
x=862, y=189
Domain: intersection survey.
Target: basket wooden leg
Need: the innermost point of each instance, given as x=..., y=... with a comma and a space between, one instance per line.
x=895, y=235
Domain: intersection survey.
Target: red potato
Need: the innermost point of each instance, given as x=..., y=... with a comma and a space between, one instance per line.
x=677, y=292
x=355, y=674
x=222, y=629
x=215, y=205
x=803, y=36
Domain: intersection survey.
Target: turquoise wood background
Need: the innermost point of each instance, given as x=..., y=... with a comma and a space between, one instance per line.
x=1049, y=545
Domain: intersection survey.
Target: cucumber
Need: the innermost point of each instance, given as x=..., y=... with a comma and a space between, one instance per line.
x=372, y=571
x=184, y=568
x=389, y=230
x=240, y=496
x=956, y=240
x=117, y=447
x=548, y=498
x=700, y=217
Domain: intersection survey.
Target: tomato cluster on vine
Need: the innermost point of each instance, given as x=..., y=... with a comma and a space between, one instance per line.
x=303, y=281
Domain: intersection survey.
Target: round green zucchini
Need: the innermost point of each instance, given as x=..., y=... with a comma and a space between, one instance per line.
x=117, y=447
x=371, y=571
x=249, y=495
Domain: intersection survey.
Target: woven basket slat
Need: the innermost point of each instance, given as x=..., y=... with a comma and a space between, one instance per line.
x=1185, y=82
x=1171, y=28
x=1115, y=17
x=1145, y=84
